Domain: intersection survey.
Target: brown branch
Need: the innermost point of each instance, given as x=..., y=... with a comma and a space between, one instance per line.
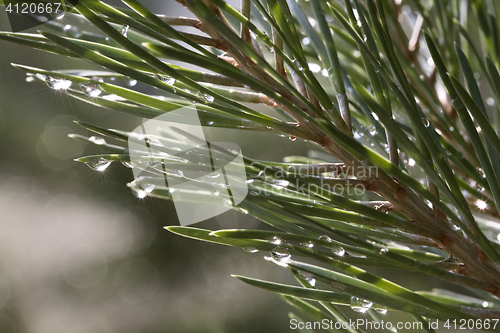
x=245, y=10
x=182, y=21
x=383, y=206
x=279, y=64
x=414, y=208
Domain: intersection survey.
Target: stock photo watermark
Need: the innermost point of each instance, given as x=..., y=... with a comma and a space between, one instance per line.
x=205, y=179
x=27, y=14
x=366, y=324
x=171, y=153
x=346, y=180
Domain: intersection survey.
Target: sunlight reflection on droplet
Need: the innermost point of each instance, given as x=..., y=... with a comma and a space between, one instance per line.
x=481, y=204
x=315, y=68
x=58, y=84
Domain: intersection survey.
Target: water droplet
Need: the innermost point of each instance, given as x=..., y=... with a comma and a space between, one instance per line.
x=99, y=164
x=306, y=41
x=58, y=84
x=426, y=122
x=481, y=204
x=124, y=30
x=359, y=305
x=154, y=141
x=97, y=141
x=146, y=187
x=357, y=255
x=281, y=254
x=72, y=31
x=141, y=194
x=315, y=68
x=308, y=244
x=338, y=251
x=205, y=97
x=325, y=238
x=30, y=79
x=411, y=162
x=372, y=130
x=92, y=90
x=112, y=97
x=485, y=304
x=292, y=137
x=281, y=184
x=216, y=191
x=276, y=240
x=481, y=172
x=250, y=249
x=308, y=278
x=490, y=101
x=58, y=14
x=167, y=79
x=455, y=227
x=131, y=82
x=383, y=250
x=381, y=311
x=244, y=211
x=127, y=164
x=279, y=263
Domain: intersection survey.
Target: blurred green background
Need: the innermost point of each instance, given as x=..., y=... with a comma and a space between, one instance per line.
x=80, y=253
